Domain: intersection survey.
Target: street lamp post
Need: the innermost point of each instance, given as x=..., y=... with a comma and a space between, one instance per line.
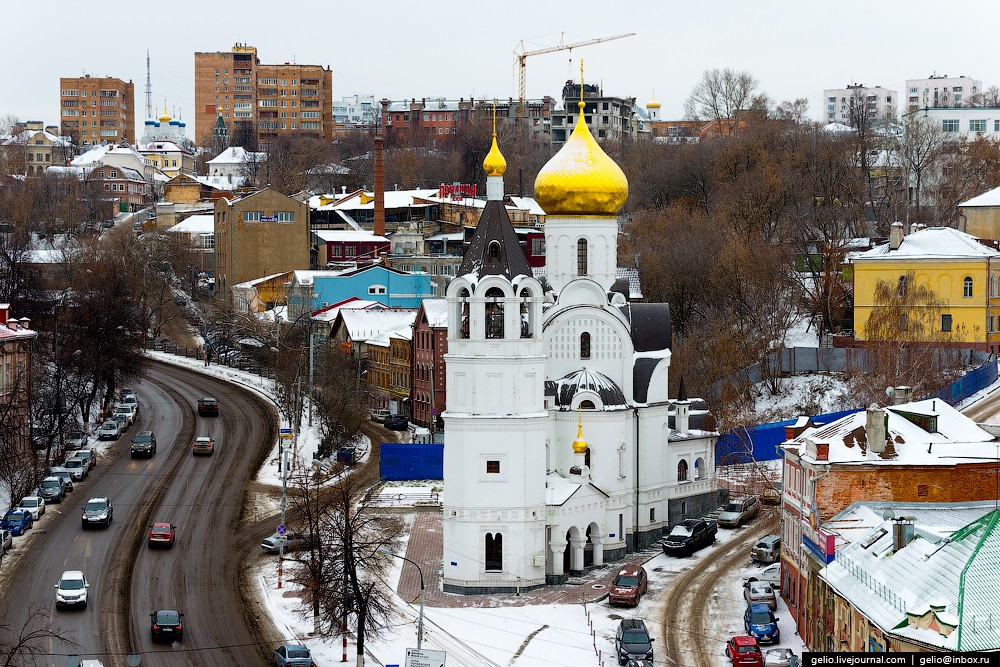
x=281, y=538
x=420, y=620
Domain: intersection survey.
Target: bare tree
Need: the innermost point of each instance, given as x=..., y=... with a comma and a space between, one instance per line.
x=722, y=97
x=989, y=97
x=918, y=147
x=30, y=641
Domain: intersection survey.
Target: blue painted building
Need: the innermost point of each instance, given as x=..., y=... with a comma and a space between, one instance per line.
x=311, y=290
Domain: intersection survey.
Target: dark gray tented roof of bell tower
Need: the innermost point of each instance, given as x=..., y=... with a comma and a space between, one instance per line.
x=509, y=261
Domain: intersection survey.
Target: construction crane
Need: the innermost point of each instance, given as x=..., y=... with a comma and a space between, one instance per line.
x=519, y=59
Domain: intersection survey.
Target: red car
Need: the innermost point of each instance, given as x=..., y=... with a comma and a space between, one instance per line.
x=162, y=534
x=743, y=651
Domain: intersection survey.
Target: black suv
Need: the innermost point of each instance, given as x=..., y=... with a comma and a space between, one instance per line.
x=632, y=641
x=208, y=406
x=144, y=443
x=98, y=512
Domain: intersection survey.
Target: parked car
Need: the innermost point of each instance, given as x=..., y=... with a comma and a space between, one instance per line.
x=293, y=655
x=127, y=391
x=379, y=415
x=760, y=623
x=766, y=550
x=110, y=430
x=208, y=406
x=293, y=541
x=739, y=512
x=52, y=489
x=71, y=591
x=144, y=444
x=744, y=651
x=629, y=585
x=759, y=591
x=122, y=422
x=632, y=641
x=75, y=440
x=161, y=534
x=126, y=410
x=6, y=541
x=98, y=512
x=396, y=422
x=18, y=522
x=33, y=504
x=130, y=398
x=203, y=444
x=78, y=468
x=688, y=536
x=63, y=473
x=166, y=624
x=769, y=575
x=88, y=455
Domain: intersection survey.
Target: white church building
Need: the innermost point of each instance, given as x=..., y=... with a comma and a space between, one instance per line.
x=563, y=450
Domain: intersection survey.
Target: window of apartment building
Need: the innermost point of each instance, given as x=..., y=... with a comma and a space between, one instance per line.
x=251, y=216
x=285, y=216
x=967, y=287
x=426, y=117
x=949, y=126
x=977, y=125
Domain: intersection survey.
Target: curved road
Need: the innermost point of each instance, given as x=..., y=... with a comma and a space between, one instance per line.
x=200, y=576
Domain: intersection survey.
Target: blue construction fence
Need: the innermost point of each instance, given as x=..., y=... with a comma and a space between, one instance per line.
x=400, y=461
x=760, y=443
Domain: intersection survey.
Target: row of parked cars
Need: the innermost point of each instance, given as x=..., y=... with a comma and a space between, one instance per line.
x=391, y=421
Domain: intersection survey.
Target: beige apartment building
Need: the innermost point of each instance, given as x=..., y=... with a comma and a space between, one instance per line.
x=258, y=235
x=96, y=110
x=260, y=103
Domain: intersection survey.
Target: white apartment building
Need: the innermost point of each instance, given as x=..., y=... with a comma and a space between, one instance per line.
x=940, y=91
x=967, y=122
x=354, y=111
x=838, y=101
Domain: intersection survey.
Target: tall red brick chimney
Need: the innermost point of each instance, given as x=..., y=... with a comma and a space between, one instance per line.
x=379, y=187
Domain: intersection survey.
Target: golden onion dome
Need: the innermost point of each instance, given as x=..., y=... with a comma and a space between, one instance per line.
x=579, y=445
x=581, y=180
x=495, y=164
x=652, y=104
x=164, y=117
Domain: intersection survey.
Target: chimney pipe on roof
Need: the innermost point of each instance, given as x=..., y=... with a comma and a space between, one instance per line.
x=902, y=532
x=379, y=226
x=896, y=232
x=875, y=428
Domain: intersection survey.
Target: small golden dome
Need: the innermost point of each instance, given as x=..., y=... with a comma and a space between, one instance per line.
x=652, y=104
x=164, y=117
x=579, y=445
x=495, y=164
x=581, y=179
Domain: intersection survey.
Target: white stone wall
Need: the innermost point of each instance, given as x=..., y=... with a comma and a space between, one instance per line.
x=561, y=236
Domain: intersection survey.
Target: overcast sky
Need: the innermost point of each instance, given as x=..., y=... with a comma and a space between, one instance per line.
x=397, y=49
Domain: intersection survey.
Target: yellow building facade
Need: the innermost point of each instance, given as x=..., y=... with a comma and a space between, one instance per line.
x=962, y=272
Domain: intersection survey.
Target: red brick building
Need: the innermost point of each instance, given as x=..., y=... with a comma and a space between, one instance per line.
x=430, y=343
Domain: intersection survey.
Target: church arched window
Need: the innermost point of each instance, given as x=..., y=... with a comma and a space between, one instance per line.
x=494, y=250
x=494, y=313
x=585, y=345
x=463, y=329
x=587, y=405
x=682, y=471
x=581, y=257
x=494, y=552
x=586, y=457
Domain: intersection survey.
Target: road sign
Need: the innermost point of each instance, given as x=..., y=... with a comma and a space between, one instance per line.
x=424, y=658
x=282, y=529
x=285, y=433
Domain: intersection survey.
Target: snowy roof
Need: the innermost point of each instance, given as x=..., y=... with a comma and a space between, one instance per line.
x=567, y=387
x=527, y=203
x=953, y=578
x=558, y=489
x=444, y=236
x=988, y=198
x=363, y=325
x=837, y=127
x=162, y=147
x=393, y=199
x=257, y=281
x=97, y=154
x=196, y=224
x=349, y=235
x=25, y=136
x=223, y=182
x=308, y=277
x=932, y=243
x=329, y=313
x=934, y=520
x=329, y=169
x=436, y=311
x=235, y=155
x=928, y=432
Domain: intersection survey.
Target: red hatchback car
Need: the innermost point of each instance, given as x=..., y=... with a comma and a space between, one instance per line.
x=628, y=586
x=162, y=534
x=744, y=651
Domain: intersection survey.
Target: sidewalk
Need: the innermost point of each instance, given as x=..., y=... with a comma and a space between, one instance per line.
x=426, y=547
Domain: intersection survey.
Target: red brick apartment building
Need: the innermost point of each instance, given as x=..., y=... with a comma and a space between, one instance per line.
x=95, y=110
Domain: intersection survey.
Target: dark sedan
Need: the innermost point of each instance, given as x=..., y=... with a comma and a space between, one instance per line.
x=166, y=624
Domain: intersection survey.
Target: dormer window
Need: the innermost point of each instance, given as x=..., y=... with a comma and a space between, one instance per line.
x=494, y=250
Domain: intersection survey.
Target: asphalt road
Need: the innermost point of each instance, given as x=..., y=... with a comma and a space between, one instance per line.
x=200, y=576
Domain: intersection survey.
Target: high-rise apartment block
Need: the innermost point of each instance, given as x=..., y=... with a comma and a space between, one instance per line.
x=96, y=110
x=846, y=105
x=259, y=103
x=940, y=91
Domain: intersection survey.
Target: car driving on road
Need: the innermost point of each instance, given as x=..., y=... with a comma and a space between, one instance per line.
x=144, y=444
x=161, y=534
x=71, y=591
x=166, y=624
x=293, y=655
x=208, y=406
x=98, y=512
x=203, y=444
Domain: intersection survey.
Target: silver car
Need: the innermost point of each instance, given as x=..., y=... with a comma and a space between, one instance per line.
x=110, y=430
x=77, y=467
